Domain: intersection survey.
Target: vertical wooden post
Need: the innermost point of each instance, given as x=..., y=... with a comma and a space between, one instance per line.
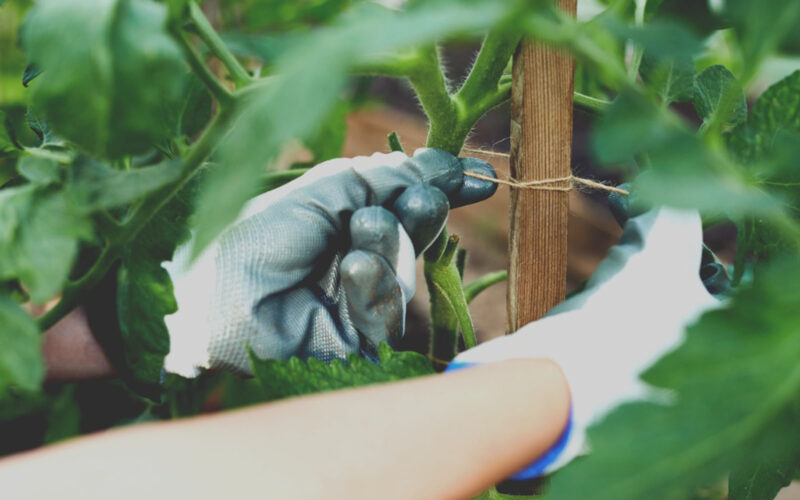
x=541, y=148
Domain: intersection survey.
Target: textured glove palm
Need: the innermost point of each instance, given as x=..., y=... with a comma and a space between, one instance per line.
x=320, y=267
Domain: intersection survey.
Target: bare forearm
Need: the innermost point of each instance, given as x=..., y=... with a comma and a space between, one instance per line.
x=71, y=352
x=446, y=436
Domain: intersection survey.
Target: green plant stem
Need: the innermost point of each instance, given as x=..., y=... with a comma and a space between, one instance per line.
x=63, y=158
x=589, y=102
x=396, y=65
x=208, y=34
x=220, y=93
x=638, y=50
x=474, y=288
x=75, y=292
x=496, y=50
x=449, y=310
x=430, y=85
x=272, y=180
x=451, y=119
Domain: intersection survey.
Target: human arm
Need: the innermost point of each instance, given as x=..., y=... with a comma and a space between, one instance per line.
x=443, y=436
x=71, y=352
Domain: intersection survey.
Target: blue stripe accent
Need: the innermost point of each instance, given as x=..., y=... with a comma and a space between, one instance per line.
x=538, y=467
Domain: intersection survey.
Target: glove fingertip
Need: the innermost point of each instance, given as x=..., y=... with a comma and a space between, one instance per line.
x=439, y=168
x=422, y=209
x=472, y=189
x=374, y=297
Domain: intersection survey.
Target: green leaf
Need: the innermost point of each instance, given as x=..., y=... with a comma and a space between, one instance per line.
x=42, y=129
x=762, y=481
x=493, y=494
x=39, y=233
x=31, y=72
x=144, y=290
x=630, y=126
x=681, y=172
x=394, y=142
x=7, y=145
x=672, y=79
x=328, y=141
x=767, y=145
x=760, y=28
x=718, y=97
x=281, y=379
x=693, y=13
x=21, y=364
x=64, y=416
x=700, y=428
x=313, y=72
x=196, y=111
x=665, y=40
x=265, y=48
x=776, y=111
x=39, y=170
x=109, y=69
x=93, y=185
x=282, y=15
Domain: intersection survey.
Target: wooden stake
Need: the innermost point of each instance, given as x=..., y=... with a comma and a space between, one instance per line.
x=541, y=148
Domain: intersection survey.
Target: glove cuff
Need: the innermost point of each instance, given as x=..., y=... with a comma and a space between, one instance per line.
x=189, y=327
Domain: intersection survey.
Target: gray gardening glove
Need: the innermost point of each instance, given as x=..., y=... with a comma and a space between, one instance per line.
x=321, y=267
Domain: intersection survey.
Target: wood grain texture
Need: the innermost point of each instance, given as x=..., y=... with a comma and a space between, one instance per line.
x=541, y=148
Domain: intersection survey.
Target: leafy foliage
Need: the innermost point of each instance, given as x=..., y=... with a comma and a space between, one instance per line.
x=92, y=55
x=39, y=235
x=776, y=112
x=659, y=450
x=280, y=379
x=762, y=481
x=144, y=291
x=717, y=92
x=7, y=145
x=21, y=365
x=672, y=79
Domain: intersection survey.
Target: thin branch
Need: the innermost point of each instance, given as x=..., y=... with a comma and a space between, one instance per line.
x=589, y=102
x=220, y=93
x=396, y=65
x=75, y=292
x=472, y=289
x=492, y=60
x=217, y=47
x=430, y=85
x=638, y=50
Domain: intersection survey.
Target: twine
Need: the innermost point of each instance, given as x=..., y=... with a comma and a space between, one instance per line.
x=543, y=184
x=437, y=361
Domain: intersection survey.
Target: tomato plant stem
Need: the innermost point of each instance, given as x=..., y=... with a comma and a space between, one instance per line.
x=208, y=34
x=452, y=117
x=589, y=102
x=472, y=289
x=220, y=93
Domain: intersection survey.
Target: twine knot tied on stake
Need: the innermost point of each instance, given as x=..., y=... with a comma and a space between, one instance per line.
x=563, y=184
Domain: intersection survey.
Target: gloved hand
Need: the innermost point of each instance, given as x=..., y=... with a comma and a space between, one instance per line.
x=322, y=266
x=632, y=311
